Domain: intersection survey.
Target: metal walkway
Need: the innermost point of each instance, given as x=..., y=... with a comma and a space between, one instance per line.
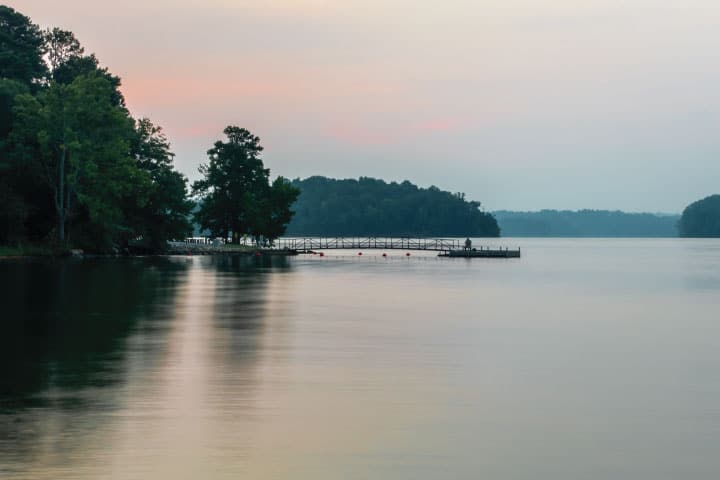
x=311, y=244
x=446, y=247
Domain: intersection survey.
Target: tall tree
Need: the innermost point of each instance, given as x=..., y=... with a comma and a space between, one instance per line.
x=9, y=89
x=164, y=213
x=21, y=47
x=67, y=61
x=235, y=192
x=76, y=66
x=73, y=163
x=61, y=46
x=13, y=208
x=234, y=180
x=21, y=67
x=80, y=139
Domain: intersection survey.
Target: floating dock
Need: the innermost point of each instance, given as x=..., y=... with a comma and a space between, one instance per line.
x=482, y=253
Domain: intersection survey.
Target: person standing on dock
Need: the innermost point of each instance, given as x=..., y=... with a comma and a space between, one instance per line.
x=468, y=244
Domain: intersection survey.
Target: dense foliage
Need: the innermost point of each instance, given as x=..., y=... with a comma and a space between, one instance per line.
x=585, y=223
x=236, y=196
x=373, y=207
x=701, y=218
x=75, y=168
x=22, y=46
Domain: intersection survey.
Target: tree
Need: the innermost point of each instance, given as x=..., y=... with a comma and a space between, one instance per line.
x=80, y=141
x=67, y=61
x=61, y=46
x=74, y=166
x=235, y=193
x=276, y=212
x=233, y=184
x=9, y=89
x=21, y=48
x=164, y=215
x=77, y=66
x=13, y=209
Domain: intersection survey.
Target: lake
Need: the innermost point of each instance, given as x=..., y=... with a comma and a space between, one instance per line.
x=585, y=359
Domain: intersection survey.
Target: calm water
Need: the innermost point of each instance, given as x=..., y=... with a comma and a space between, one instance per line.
x=585, y=359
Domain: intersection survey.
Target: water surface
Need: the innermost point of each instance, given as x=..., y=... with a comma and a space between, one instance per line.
x=585, y=359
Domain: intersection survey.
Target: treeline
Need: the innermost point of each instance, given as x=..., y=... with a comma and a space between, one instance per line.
x=368, y=206
x=77, y=170
x=586, y=223
x=701, y=218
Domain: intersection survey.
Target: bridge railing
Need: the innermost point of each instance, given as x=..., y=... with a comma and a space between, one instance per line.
x=369, y=243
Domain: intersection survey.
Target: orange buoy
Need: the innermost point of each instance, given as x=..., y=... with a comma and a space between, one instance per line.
x=407, y=254
x=322, y=254
x=384, y=254
x=359, y=253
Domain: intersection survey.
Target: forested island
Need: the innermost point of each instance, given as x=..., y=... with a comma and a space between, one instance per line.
x=369, y=206
x=586, y=223
x=78, y=171
x=701, y=218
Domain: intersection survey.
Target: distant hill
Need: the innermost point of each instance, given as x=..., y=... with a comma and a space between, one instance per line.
x=701, y=218
x=369, y=206
x=586, y=223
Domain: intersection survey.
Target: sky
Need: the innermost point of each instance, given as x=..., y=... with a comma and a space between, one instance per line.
x=521, y=104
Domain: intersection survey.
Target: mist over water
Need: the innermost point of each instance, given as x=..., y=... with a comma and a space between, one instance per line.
x=585, y=359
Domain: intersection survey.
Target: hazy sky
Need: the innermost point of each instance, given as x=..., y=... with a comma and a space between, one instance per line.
x=522, y=104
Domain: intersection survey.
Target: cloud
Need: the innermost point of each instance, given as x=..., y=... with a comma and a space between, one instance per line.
x=158, y=90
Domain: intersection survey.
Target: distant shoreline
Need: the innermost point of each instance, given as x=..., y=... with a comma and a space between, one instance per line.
x=586, y=224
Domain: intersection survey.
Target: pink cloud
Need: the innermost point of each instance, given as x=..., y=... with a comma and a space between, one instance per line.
x=154, y=90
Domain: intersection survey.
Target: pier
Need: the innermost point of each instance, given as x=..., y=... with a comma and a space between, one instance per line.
x=445, y=247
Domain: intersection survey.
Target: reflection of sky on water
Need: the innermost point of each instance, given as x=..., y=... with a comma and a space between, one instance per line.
x=583, y=359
